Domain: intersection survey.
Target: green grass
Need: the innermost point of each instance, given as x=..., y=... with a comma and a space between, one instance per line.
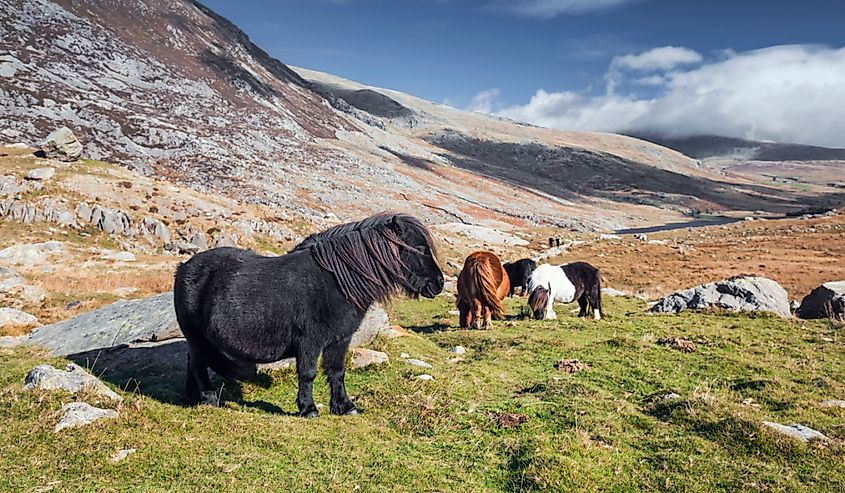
x=602, y=429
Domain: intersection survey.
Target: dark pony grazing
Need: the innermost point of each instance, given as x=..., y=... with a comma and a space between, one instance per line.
x=237, y=308
x=482, y=285
x=519, y=273
x=565, y=283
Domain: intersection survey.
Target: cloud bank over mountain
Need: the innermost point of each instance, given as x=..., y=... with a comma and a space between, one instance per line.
x=789, y=93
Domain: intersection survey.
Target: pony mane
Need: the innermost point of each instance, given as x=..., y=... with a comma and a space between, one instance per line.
x=538, y=299
x=364, y=256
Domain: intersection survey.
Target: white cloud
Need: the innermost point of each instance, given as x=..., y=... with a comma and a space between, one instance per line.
x=663, y=58
x=483, y=101
x=793, y=93
x=547, y=9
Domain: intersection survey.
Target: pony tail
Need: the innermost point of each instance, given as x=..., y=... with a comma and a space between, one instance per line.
x=485, y=280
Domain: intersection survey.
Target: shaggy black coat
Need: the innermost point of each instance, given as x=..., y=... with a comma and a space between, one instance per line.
x=237, y=308
x=587, y=282
x=519, y=273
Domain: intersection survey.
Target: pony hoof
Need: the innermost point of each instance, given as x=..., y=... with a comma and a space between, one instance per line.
x=352, y=412
x=210, y=398
x=310, y=414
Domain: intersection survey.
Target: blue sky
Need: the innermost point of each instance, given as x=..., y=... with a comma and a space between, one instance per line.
x=506, y=57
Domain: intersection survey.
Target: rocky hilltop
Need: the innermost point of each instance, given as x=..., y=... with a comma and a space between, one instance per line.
x=174, y=91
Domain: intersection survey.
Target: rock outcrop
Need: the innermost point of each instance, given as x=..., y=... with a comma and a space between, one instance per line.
x=61, y=144
x=741, y=293
x=827, y=300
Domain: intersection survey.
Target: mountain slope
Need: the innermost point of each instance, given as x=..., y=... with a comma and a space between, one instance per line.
x=714, y=146
x=173, y=90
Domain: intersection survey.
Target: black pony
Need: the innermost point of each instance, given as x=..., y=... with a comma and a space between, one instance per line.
x=519, y=273
x=237, y=308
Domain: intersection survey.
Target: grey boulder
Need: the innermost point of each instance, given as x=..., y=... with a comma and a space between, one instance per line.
x=741, y=294
x=73, y=379
x=41, y=173
x=827, y=300
x=10, y=317
x=61, y=144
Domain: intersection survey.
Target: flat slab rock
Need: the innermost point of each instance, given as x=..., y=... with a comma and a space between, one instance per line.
x=146, y=320
x=76, y=414
x=827, y=300
x=797, y=431
x=741, y=293
x=73, y=379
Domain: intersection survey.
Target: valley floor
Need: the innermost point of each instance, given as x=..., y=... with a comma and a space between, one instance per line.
x=500, y=418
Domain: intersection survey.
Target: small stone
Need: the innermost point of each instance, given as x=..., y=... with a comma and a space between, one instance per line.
x=670, y=396
x=417, y=362
x=278, y=365
x=73, y=379
x=833, y=403
x=404, y=355
x=458, y=350
x=75, y=414
x=12, y=341
x=394, y=331
x=118, y=256
x=613, y=293
x=124, y=292
x=362, y=358
x=425, y=377
x=41, y=173
x=121, y=454
x=797, y=431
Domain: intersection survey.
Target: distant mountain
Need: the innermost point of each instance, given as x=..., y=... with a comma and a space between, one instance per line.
x=173, y=90
x=713, y=146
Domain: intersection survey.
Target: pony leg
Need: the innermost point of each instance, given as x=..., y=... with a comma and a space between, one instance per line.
x=550, y=310
x=475, y=318
x=595, y=301
x=200, y=387
x=306, y=371
x=191, y=392
x=488, y=319
x=334, y=360
x=582, y=303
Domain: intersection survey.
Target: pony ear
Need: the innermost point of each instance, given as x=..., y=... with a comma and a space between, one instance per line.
x=396, y=222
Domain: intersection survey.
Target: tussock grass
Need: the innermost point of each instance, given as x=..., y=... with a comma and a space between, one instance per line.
x=608, y=428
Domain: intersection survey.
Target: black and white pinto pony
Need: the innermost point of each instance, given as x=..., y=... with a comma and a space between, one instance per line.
x=565, y=284
x=519, y=273
x=237, y=308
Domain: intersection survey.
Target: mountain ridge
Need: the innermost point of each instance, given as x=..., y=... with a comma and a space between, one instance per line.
x=186, y=96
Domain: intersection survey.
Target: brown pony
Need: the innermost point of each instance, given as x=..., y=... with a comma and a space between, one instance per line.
x=482, y=285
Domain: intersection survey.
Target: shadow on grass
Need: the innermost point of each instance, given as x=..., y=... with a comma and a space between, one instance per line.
x=430, y=328
x=157, y=370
